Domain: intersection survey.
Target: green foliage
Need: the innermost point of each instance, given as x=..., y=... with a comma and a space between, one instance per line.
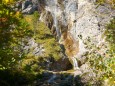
x=111, y=2
x=104, y=64
x=103, y=67
x=15, y=64
x=43, y=36
x=110, y=35
x=49, y=42
x=36, y=16
x=31, y=66
x=100, y=1
x=12, y=29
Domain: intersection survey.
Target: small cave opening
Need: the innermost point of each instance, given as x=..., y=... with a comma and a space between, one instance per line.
x=63, y=64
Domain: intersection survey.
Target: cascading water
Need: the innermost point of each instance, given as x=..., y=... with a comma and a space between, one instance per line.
x=81, y=20
x=52, y=6
x=75, y=63
x=72, y=10
x=67, y=16
x=55, y=20
x=80, y=17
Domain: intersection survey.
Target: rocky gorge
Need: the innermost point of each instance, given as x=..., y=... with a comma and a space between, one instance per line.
x=78, y=27
x=76, y=21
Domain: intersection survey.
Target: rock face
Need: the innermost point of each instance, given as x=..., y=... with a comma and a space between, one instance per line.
x=27, y=6
x=80, y=20
x=29, y=46
x=75, y=23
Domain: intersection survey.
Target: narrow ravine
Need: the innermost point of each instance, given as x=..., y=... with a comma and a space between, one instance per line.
x=57, y=43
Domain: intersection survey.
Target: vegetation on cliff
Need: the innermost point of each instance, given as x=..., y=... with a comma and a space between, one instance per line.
x=103, y=61
x=16, y=66
x=12, y=29
x=43, y=36
x=111, y=2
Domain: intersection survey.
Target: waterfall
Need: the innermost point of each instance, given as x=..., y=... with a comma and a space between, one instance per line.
x=75, y=63
x=55, y=19
x=67, y=16
x=52, y=6
x=72, y=12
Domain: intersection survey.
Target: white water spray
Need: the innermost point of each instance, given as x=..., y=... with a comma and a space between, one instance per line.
x=55, y=19
x=75, y=63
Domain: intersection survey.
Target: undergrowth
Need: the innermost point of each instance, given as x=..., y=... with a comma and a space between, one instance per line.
x=102, y=58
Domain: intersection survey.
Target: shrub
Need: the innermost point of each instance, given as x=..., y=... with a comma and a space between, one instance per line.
x=104, y=64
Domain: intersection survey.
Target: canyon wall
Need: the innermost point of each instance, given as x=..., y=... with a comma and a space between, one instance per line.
x=80, y=20
x=74, y=23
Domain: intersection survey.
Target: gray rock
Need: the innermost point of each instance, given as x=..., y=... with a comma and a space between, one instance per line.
x=32, y=47
x=28, y=10
x=81, y=17
x=27, y=6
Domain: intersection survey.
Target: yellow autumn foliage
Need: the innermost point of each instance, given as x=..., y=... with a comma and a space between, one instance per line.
x=7, y=1
x=17, y=15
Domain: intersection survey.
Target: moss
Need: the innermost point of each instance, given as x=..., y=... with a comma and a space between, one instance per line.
x=111, y=2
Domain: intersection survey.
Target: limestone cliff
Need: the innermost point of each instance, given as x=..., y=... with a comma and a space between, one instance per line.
x=74, y=29
x=76, y=21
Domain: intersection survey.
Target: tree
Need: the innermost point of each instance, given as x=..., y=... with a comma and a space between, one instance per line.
x=12, y=29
